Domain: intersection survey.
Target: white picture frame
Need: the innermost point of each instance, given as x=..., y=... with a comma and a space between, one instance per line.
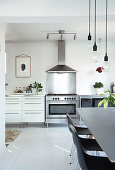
x=23, y=66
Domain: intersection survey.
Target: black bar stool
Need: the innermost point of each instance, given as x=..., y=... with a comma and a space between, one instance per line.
x=88, y=162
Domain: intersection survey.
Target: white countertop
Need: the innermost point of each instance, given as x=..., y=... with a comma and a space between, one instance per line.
x=91, y=96
x=23, y=94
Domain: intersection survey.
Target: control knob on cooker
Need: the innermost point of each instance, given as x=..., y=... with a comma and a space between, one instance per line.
x=65, y=98
x=53, y=98
x=58, y=98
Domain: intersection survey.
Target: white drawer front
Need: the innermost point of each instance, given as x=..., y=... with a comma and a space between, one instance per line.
x=13, y=99
x=33, y=116
x=33, y=99
x=13, y=106
x=33, y=106
x=13, y=116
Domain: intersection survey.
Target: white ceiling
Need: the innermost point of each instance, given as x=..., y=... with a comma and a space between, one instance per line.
x=36, y=8
x=53, y=15
x=38, y=31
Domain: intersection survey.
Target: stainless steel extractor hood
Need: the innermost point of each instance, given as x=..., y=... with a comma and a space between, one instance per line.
x=61, y=67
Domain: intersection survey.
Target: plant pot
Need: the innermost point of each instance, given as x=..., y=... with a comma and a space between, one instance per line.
x=99, y=90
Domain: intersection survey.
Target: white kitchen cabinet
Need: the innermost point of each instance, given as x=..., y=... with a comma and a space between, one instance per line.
x=25, y=109
x=13, y=105
x=34, y=109
x=33, y=116
x=13, y=109
x=13, y=116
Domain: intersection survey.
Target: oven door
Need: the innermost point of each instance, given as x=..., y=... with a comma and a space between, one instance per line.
x=60, y=109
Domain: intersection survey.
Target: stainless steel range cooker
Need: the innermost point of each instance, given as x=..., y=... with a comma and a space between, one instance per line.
x=58, y=105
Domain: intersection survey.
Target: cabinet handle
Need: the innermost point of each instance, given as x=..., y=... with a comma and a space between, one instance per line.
x=11, y=113
x=33, y=98
x=32, y=103
x=11, y=99
x=12, y=103
x=32, y=113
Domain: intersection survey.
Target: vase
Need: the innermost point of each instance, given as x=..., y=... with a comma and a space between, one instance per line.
x=36, y=92
x=99, y=90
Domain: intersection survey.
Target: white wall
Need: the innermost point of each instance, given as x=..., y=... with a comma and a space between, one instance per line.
x=2, y=87
x=44, y=56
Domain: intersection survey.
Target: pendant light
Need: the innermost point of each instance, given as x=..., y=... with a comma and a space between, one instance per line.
x=95, y=54
x=106, y=63
x=89, y=36
x=95, y=46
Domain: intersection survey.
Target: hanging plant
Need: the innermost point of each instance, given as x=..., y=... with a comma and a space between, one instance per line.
x=100, y=69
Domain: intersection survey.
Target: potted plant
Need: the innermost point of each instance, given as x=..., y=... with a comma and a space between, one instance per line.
x=38, y=87
x=99, y=87
x=108, y=99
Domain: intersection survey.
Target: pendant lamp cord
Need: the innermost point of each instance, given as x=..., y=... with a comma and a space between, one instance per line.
x=106, y=25
x=89, y=16
x=95, y=21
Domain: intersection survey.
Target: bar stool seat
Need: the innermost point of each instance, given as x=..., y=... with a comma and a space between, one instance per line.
x=82, y=131
x=90, y=144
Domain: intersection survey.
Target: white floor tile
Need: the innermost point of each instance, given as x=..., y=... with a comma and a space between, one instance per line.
x=39, y=149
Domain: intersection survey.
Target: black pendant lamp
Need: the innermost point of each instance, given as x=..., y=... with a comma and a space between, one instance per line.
x=106, y=64
x=95, y=46
x=89, y=36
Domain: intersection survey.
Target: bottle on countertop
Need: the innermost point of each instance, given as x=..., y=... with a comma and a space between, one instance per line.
x=16, y=90
x=20, y=91
x=112, y=87
x=24, y=89
x=30, y=88
x=27, y=90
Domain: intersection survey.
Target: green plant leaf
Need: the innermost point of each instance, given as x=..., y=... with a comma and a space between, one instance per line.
x=37, y=86
x=98, y=85
x=100, y=103
x=109, y=98
x=105, y=104
x=107, y=91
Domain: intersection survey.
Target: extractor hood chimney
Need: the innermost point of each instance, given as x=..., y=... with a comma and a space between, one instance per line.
x=61, y=67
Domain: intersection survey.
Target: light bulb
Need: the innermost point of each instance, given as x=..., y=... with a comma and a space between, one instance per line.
x=89, y=44
x=95, y=56
x=106, y=66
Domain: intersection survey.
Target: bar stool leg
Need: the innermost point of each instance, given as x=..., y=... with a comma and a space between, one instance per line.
x=72, y=149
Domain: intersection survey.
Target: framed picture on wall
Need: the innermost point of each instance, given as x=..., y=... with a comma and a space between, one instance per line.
x=23, y=66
